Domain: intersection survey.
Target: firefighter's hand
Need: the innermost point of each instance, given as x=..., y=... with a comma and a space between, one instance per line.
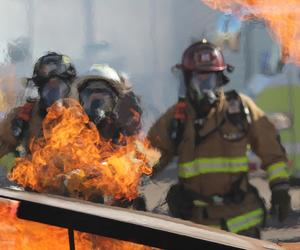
x=145, y=181
x=281, y=204
x=179, y=203
x=18, y=126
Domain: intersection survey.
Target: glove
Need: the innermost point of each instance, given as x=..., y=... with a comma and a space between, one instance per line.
x=280, y=203
x=18, y=126
x=145, y=181
x=180, y=204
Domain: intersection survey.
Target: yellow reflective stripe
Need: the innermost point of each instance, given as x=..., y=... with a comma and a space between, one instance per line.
x=213, y=165
x=277, y=170
x=200, y=203
x=245, y=221
x=215, y=160
x=8, y=161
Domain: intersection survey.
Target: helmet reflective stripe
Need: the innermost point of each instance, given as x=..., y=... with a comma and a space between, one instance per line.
x=66, y=59
x=105, y=71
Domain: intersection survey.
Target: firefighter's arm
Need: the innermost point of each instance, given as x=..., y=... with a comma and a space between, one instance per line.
x=7, y=141
x=159, y=136
x=265, y=142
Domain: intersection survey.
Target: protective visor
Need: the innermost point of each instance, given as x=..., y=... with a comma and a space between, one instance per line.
x=53, y=90
x=97, y=97
x=202, y=83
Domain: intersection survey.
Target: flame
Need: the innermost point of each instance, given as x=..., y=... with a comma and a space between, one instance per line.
x=3, y=103
x=18, y=234
x=72, y=158
x=8, y=87
x=281, y=16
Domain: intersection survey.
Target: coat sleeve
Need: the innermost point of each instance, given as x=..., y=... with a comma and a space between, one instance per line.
x=7, y=140
x=159, y=136
x=265, y=142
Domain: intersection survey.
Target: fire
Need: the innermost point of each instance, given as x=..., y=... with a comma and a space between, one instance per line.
x=71, y=158
x=18, y=234
x=3, y=104
x=8, y=87
x=282, y=17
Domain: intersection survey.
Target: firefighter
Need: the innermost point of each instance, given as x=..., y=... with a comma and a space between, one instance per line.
x=210, y=132
x=113, y=107
x=53, y=75
x=109, y=102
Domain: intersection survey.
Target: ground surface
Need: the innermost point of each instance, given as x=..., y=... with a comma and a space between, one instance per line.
x=155, y=193
x=289, y=231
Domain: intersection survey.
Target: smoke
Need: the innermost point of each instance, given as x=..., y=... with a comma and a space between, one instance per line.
x=141, y=38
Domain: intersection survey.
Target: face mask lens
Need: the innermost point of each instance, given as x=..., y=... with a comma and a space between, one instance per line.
x=202, y=83
x=96, y=100
x=53, y=90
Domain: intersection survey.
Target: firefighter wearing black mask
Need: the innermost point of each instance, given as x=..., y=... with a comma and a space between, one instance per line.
x=53, y=75
x=99, y=101
x=110, y=104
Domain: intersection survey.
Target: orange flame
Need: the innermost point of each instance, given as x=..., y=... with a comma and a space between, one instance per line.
x=72, y=158
x=8, y=87
x=18, y=234
x=282, y=17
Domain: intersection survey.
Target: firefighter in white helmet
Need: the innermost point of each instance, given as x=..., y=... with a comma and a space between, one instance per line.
x=109, y=102
x=113, y=107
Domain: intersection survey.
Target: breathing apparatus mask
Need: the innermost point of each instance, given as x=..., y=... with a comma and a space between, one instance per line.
x=53, y=90
x=52, y=74
x=99, y=101
x=203, y=89
x=203, y=66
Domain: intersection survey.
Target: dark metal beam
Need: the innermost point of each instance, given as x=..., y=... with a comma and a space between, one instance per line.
x=71, y=239
x=111, y=228
x=124, y=224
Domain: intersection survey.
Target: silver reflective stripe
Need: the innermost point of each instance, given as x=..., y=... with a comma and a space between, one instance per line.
x=213, y=165
x=245, y=221
x=277, y=170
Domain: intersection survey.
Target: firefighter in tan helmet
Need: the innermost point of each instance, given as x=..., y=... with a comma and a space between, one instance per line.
x=210, y=132
x=53, y=75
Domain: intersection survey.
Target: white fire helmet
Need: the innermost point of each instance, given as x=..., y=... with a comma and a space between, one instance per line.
x=105, y=71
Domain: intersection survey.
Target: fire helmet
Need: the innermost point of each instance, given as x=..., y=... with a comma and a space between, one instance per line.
x=53, y=65
x=104, y=71
x=203, y=57
x=203, y=68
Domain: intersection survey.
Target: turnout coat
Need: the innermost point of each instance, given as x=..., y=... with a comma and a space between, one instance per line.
x=216, y=168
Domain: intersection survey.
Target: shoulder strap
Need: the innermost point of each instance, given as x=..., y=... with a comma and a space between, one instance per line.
x=20, y=126
x=178, y=122
x=237, y=110
x=237, y=114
